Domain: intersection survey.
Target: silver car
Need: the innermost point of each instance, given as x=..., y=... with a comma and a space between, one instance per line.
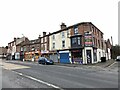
x=118, y=58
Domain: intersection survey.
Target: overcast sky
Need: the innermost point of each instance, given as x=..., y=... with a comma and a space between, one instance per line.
x=32, y=17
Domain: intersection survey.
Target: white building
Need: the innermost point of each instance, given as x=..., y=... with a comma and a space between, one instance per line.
x=59, y=42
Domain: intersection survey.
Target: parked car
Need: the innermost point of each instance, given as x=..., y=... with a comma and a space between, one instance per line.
x=43, y=60
x=118, y=58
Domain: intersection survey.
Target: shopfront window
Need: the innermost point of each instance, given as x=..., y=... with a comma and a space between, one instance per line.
x=77, y=56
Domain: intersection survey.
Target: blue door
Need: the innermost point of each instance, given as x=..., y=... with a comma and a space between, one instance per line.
x=64, y=58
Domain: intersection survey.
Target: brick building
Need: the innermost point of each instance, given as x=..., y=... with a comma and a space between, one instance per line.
x=14, y=48
x=80, y=43
x=37, y=47
x=3, y=52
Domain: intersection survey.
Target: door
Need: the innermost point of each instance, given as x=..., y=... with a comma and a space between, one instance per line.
x=88, y=54
x=64, y=58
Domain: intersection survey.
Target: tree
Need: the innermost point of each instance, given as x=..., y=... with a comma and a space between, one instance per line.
x=115, y=51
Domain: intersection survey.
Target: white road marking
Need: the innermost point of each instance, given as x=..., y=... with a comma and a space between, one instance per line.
x=40, y=81
x=111, y=64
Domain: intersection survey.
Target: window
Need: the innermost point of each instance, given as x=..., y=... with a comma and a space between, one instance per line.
x=33, y=48
x=45, y=38
x=63, y=35
x=21, y=48
x=76, y=31
x=53, y=37
x=63, y=44
x=24, y=48
x=45, y=47
x=94, y=41
x=93, y=29
x=78, y=40
x=102, y=44
x=53, y=45
x=99, y=43
x=101, y=35
x=41, y=40
x=74, y=40
x=67, y=33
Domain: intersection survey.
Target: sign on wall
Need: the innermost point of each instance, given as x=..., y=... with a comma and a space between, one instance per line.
x=88, y=40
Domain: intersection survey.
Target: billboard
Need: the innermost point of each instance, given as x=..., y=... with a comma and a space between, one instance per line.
x=88, y=40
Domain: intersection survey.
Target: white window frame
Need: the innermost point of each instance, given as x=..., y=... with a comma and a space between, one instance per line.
x=63, y=34
x=53, y=45
x=63, y=44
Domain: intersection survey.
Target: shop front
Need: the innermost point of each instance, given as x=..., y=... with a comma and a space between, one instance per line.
x=64, y=56
x=45, y=54
x=32, y=56
x=77, y=56
x=53, y=55
x=17, y=56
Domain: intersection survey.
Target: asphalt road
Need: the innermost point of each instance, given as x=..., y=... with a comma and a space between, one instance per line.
x=33, y=75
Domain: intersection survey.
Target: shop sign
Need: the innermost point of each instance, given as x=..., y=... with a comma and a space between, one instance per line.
x=67, y=51
x=88, y=40
x=76, y=50
x=43, y=51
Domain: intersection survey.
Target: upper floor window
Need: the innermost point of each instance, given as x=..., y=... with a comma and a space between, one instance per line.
x=63, y=34
x=75, y=30
x=79, y=41
x=45, y=38
x=68, y=33
x=21, y=49
x=45, y=47
x=53, y=45
x=74, y=40
x=93, y=29
x=63, y=44
x=33, y=48
x=8, y=45
x=101, y=35
x=99, y=43
x=53, y=37
x=41, y=40
x=24, y=48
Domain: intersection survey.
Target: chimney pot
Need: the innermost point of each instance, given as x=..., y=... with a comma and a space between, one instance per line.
x=44, y=33
x=14, y=39
x=63, y=26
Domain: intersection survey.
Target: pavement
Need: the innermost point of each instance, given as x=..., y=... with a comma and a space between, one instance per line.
x=99, y=64
x=109, y=65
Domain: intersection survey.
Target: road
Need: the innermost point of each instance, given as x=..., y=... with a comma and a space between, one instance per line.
x=18, y=74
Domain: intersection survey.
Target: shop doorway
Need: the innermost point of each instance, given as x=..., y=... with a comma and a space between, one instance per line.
x=89, y=57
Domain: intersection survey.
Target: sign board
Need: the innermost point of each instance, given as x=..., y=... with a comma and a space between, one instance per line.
x=88, y=40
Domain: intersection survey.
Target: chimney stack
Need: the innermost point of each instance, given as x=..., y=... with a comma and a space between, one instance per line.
x=63, y=26
x=14, y=39
x=44, y=33
x=39, y=36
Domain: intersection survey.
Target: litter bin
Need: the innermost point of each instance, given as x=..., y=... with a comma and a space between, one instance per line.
x=103, y=59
